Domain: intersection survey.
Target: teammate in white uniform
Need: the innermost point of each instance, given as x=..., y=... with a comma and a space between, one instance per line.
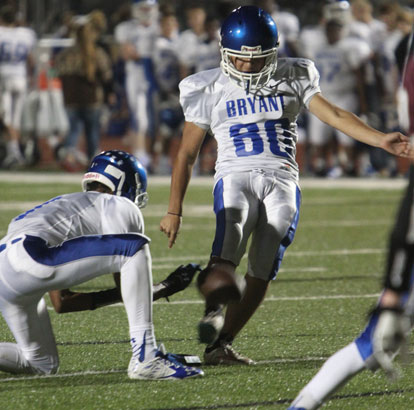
x=169, y=113
x=251, y=106
x=197, y=45
x=16, y=46
x=340, y=62
x=288, y=26
x=71, y=239
x=137, y=40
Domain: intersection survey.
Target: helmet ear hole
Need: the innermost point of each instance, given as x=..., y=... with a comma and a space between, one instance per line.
x=97, y=186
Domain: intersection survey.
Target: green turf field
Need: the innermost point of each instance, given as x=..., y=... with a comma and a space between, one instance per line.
x=330, y=278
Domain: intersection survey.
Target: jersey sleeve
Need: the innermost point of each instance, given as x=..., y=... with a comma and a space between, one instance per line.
x=307, y=77
x=196, y=97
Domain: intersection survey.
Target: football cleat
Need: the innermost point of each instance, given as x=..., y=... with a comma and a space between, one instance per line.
x=176, y=281
x=210, y=325
x=163, y=366
x=225, y=354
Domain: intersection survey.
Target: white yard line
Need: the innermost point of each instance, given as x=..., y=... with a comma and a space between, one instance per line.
x=276, y=299
x=290, y=253
x=115, y=371
x=302, y=225
x=312, y=269
x=268, y=299
x=75, y=178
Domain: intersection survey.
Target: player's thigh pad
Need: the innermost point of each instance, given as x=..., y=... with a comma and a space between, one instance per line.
x=236, y=207
x=275, y=229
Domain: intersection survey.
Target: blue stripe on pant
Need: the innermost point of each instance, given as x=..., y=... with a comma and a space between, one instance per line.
x=83, y=247
x=288, y=239
x=220, y=218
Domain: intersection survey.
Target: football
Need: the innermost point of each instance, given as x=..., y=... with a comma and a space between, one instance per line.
x=221, y=286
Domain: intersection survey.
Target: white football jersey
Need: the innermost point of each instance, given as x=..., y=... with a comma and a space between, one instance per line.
x=373, y=32
x=142, y=38
x=388, y=65
x=288, y=26
x=166, y=64
x=72, y=215
x=198, y=52
x=208, y=56
x=336, y=62
x=16, y=43
x=252, y=130
x=311, y=38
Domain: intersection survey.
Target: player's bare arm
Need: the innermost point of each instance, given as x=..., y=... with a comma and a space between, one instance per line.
x=394, y=142
x=192, y=139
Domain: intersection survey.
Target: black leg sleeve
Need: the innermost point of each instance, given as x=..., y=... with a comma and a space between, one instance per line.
x=401, y=245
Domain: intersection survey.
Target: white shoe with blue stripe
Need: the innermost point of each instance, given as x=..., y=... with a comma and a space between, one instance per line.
x=163, y=366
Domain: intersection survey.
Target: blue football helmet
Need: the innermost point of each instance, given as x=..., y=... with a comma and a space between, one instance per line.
x=249, y=32
x=122, y=173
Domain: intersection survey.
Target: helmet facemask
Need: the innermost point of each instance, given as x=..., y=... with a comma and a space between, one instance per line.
x=249, y=81
x=141, y=196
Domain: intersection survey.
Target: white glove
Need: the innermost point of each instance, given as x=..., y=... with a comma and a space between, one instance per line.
x=391, y=334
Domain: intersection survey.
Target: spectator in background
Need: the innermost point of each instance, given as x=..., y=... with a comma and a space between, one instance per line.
x=288, y=26
x=366, y=27
x=209, y=50
x=340, y=63
x=136, y=38
x=86, y=73
x=169, y=112
x=192, y=38
x=16, y=73
x=209, y=58
x=199, y=51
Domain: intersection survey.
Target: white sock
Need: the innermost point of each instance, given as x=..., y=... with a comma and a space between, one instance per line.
x=143, y=342
x=136, y=289
x=335, y=372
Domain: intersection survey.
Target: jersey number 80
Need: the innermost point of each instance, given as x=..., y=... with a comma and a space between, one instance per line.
x=281, y=147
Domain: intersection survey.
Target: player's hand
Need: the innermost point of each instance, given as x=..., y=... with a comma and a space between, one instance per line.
x=398, y=144
x=391, y=334
x=170, y=224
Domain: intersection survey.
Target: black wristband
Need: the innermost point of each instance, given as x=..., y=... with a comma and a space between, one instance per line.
x=172, y=213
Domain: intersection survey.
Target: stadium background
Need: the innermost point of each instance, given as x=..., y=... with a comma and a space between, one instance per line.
x=44, y=14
